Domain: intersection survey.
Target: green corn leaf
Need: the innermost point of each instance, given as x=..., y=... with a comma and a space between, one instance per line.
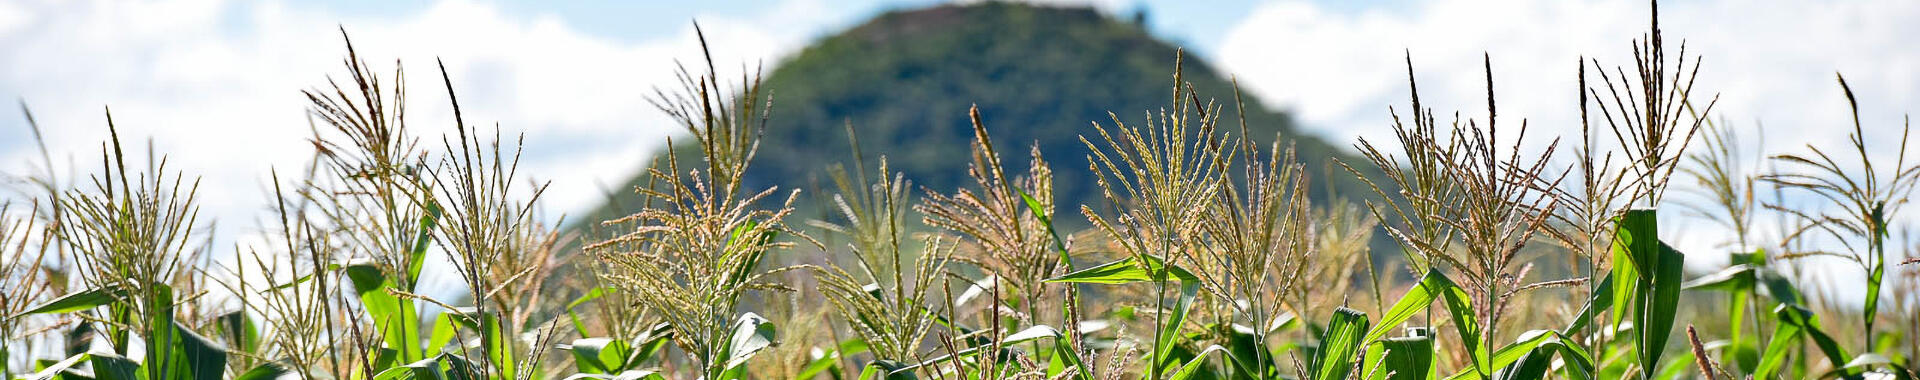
x=1875, y=274
x=1779, y=287
x=1414, y=302
x=240, y=330
x=114, y=367
x=265, y=371
x=166, y=355
x=599, y=355
x=1740, y=347
x=1186, y=352
x=1127, y=271
x=1866, y=362
x=1784, y=335
x=205, y=359
x=1578, y=363
x=1536, y=362
x=574, y=315
x=1635, y=243
x=1056, y=365
x=1146, y=268
x=1249, y=356
x=1504, y=357
x=494, y=339
x=1532, y=366
x=499, y=343
x=751, y=334
x=1194, y=368
x=458, y=368
x=1064, y=354
x=1654, y=322
x=1033, y=206
x=1737, y=316
x=419, y=370
x=591, y=295
x=1286, y=321
x=406, y=373
x=395, y=317
x=383, y=358
x=1677, y=365
x=290, y=284
x=82, y=300
x=1731, y=278
x=831, y=359
x=417, y=256
x=628, y=375
x=1656, y=279
x=1808, y=325
x=1619, y=360
x=1171, y=322
x=1402, y=358
x=1460, y=308
x=444, y=328
x=1636, y=233
x=1877, y=266
x=1625, y=292
x=1746, y=355
x=1741, y=281
x=1887, y=341
x=438, y=367
x=1341, y=341
x=650, y=344
x=1529, y=341
x=1435, y=286
x=54, y=370
x=892, y=370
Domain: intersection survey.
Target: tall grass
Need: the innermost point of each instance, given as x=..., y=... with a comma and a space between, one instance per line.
x=886, y=297
x=696, y=250
x=1206, y=259
x=1868, y=200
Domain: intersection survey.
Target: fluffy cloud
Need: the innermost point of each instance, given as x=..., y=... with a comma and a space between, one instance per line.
x=1771, y=61
x=1772, y=64
x=215, y=85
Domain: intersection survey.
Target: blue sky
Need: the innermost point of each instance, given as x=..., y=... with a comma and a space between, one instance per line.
x=214, y=83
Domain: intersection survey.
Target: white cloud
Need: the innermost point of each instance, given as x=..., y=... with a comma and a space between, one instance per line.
x=215, y=85
x=11, y=18
x=1771, y=62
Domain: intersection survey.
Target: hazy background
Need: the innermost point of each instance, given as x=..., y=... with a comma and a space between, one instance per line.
x=215, y=84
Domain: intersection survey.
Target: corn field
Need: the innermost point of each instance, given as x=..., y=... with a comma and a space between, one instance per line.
x=1541, y=258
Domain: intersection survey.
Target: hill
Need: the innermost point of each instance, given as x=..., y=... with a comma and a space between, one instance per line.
x=1040, y=75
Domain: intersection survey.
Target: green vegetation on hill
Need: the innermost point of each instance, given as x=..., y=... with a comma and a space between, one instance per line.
x=1040, y=75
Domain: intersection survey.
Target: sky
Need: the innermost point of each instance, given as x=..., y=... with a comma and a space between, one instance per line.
x=214, y=85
